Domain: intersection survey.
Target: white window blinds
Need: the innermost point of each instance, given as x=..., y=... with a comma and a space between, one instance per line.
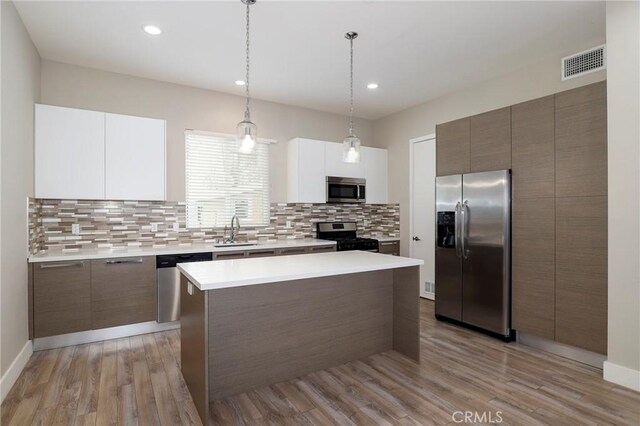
x=221, y=182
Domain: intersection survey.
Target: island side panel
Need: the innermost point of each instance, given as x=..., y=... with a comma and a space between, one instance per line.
x=193, y=345
x=406, y=311
x=264, y=334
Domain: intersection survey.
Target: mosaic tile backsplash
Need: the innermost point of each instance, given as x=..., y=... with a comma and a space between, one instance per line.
x=112, y=224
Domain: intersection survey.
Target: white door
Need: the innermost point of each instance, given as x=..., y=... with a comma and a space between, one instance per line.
x=423, y=179
x=69, y=153
x=375, y=169
x=135, y=158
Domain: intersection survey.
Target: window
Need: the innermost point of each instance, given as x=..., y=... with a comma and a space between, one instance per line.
x=221, y=182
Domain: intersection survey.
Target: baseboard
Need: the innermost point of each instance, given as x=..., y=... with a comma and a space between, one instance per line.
x=90, y=336
x=13, y=372
x=576, y=354
x=621, y=375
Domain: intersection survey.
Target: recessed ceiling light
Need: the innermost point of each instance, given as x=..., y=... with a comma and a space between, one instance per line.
x=372, y=86
x=240, y=82
x=151, y=30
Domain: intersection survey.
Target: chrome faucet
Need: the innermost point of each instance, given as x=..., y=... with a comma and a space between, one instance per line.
x=235, y=228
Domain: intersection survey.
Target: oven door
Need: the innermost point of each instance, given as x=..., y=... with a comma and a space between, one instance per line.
x=345, y=190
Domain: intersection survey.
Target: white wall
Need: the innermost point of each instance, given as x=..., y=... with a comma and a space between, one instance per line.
x=190, y=108
x=20, y=89
x=623, y=119
x=395, y=131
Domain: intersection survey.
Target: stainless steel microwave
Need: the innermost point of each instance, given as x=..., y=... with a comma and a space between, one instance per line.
x=346, y=190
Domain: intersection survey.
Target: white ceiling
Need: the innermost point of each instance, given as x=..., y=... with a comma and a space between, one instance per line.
x=416, y=51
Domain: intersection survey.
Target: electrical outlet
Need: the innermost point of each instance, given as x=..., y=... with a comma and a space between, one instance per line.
x=289, y=225
x=154, y=227
x=176, y=227
x=75, y=229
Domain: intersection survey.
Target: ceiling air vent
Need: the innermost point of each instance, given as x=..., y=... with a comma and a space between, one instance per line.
x=584, y=62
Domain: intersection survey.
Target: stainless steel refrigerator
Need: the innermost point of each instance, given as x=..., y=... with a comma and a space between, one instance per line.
x=473, y=250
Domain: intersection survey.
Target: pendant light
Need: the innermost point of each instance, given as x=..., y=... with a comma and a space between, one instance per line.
x=247, y=131
x=351, y=144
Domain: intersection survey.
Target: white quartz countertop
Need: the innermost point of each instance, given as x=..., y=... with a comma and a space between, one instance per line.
x=87, y=254
x=221, y=274
x=387, y=239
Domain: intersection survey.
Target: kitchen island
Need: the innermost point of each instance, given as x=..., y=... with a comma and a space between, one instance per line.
x=252, y=322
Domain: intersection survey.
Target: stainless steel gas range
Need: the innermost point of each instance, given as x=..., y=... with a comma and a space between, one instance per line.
x=345, y=235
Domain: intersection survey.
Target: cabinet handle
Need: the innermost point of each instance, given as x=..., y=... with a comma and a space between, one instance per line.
x=251, y=253
x=60, y=265
x=119, y=262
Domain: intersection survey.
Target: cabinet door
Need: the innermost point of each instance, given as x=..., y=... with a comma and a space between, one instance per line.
x=581, y=272
x=135, y=158
x=334, y=166
x=533, y=261
x=69, y=153
x=61, y=298
x=291, y=251
x=533, y=148
x=375, y=168
x=123, y=291
x=261, y=253
x=307, y=178
x=322, y=249
x=225, y=255
x=452, y=147
x=581, y=141
x=390, y=247
x=490, y=141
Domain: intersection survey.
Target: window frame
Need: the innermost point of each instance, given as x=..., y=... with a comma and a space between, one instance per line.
x=229, y=137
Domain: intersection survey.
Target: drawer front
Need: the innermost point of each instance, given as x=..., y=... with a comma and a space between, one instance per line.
x=322, y=249
x=261, y=253
x=61, y=298
x=390, y=247
x=291, y=251
x=229, y=255
x=123, y=291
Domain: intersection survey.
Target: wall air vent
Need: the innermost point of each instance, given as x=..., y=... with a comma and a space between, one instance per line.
x=584, y=62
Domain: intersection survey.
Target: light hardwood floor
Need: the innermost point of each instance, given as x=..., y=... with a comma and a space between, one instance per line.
x=137, y=380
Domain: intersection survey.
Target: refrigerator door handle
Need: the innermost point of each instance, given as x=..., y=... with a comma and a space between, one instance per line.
x=463, y=221
x=457, y=230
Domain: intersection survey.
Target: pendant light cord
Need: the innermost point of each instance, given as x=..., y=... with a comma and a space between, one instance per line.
x=351, y=90
x=247, y=113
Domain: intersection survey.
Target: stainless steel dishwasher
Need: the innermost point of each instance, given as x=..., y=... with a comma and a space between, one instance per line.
x=169, y=282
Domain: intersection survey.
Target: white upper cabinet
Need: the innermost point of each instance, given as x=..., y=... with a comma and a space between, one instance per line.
x=375, y=168
x=69, y=153
x=311, y=161
x=93, y=155
x=306, y=180
x=135, y=158
x=334, y=166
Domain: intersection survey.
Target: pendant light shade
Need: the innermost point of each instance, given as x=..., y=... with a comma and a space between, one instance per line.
x=247, y=136
x=351, y=149
x=351, y=144
x=246, y=130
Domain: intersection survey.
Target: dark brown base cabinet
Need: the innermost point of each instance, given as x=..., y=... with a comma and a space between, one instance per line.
x=558, y=160
x=390, y=247
x=67, y=297
x=123, y=291
x=61, y=298
x=82, y=295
